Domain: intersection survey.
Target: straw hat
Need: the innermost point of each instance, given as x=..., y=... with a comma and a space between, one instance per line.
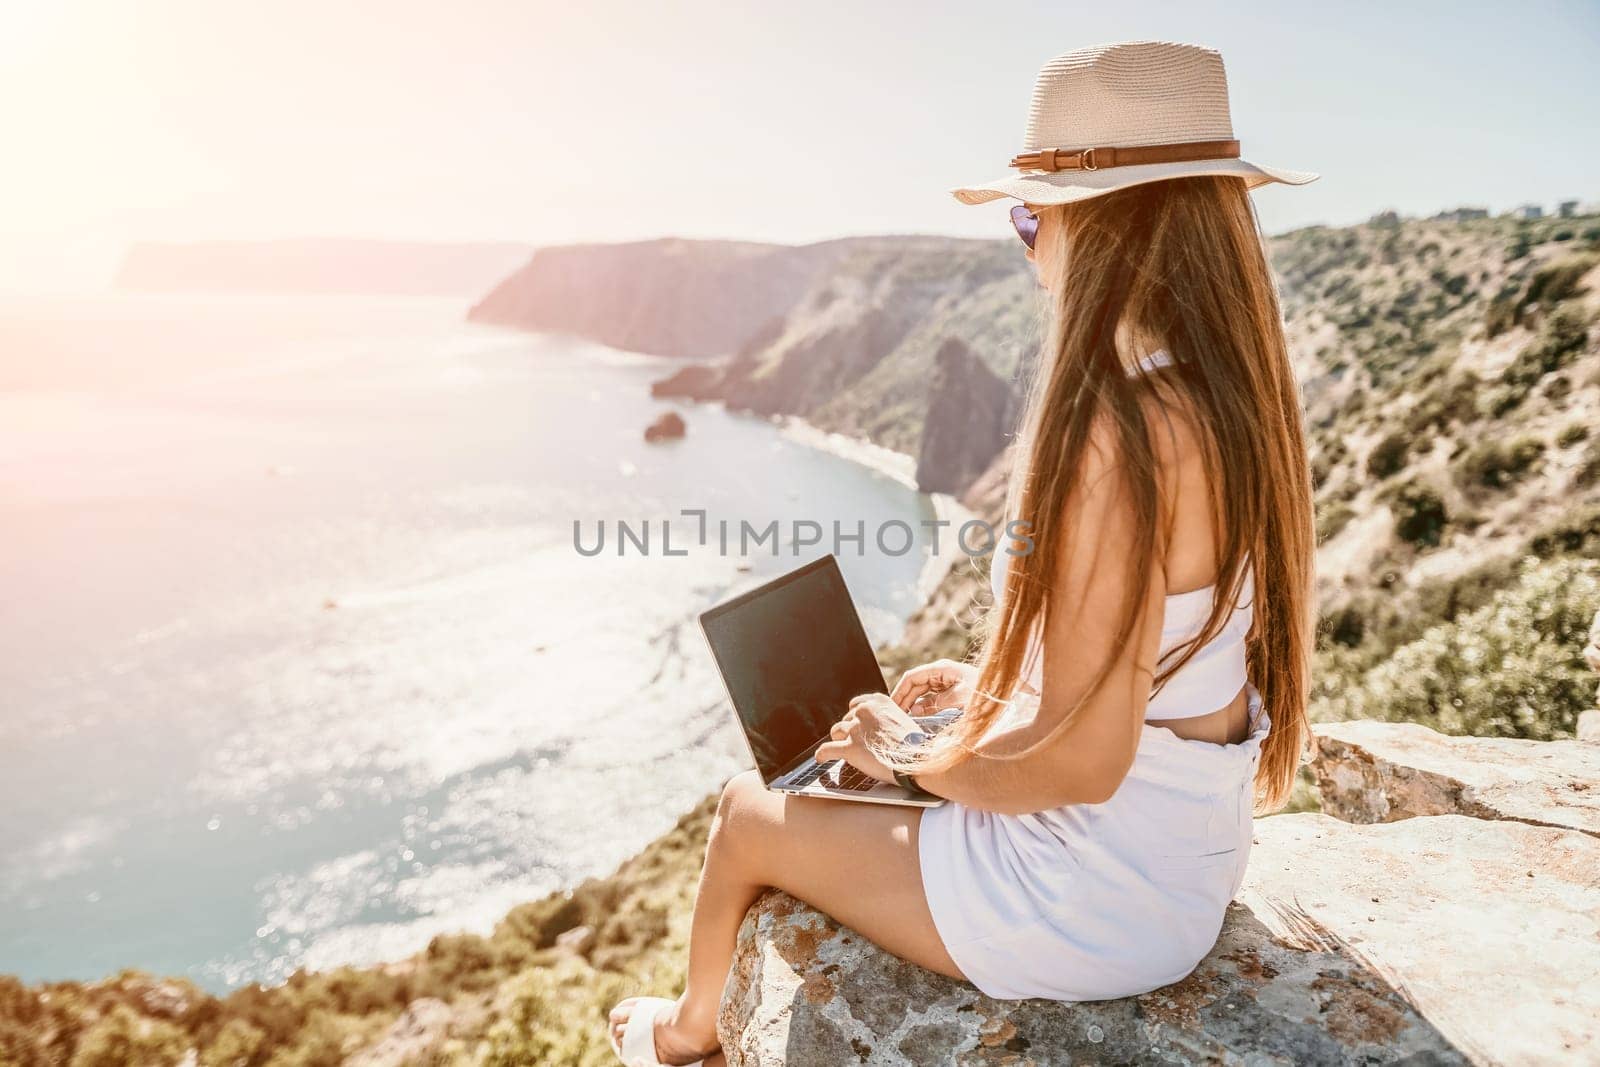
x=1115, y=115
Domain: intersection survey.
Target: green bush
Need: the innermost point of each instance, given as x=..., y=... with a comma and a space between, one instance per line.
x=540, y=922
x=1388, y=455
x=1571, y=434
x=1577, y=533
x=1503, y=311
x=1588, y=471
x=1562, y=336
x=321, y=1043
x=236, y=1045
x=1332, y=518
x=1512, y=668
x=1560, y=280
x=1447, y=598
x=1451, y=396
x=464, y=961
x=1346, y=625
x=1373, y=623
x=558, y=1014
x=123, y=1037
x=1560, y=339
x=1419, y=513
x=1499, y=398
x=1454, y=284
x=1550, y=284
x=1495, y=465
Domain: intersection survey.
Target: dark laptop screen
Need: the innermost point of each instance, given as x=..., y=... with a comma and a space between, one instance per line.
x=792, y=653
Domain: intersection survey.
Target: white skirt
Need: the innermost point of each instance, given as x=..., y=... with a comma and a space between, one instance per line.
x=1098, y=901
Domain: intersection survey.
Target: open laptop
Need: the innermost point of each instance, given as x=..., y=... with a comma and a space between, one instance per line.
x=792, y=653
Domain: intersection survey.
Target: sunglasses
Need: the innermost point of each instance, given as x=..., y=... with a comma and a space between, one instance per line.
x=1026, y=222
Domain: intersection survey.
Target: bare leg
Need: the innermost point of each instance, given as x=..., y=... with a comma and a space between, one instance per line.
x=855, y=862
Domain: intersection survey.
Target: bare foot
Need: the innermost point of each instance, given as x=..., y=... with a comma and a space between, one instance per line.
x=677, y=1040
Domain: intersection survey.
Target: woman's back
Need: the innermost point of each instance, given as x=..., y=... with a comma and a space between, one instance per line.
x=1204, y=699
x=1207, y=685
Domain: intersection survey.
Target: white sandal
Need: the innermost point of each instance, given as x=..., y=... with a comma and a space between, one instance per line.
x=638, y=1048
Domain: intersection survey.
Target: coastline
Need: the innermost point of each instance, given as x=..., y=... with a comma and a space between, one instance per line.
x=899, y=466
x=886, y=461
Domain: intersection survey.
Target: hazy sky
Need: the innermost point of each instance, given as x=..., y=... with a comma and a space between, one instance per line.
x=608, y=120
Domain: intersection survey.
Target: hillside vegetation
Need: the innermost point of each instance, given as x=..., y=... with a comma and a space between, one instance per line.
x=1452, y=380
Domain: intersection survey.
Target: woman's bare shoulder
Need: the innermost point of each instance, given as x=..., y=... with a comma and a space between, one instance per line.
x=1176, y=438
x=1177, y=435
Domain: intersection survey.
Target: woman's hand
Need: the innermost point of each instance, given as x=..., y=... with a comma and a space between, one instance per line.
x=871, y=715
x=940, y=685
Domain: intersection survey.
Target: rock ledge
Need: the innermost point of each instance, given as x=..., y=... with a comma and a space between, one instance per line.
x=1440, y=939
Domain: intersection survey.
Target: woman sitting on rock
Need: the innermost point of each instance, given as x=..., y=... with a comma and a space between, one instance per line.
x=1143, y=683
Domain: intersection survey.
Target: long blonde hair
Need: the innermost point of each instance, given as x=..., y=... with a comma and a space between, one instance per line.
x=1183, y=261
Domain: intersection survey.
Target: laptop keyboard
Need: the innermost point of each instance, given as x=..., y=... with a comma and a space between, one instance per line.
x=849, y=777
x=853, y=779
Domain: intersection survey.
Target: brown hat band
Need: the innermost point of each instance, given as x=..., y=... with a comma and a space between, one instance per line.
x=1101, y=158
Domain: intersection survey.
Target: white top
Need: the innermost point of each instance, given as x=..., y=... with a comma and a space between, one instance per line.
x=1215, y=674
x=1099, y=901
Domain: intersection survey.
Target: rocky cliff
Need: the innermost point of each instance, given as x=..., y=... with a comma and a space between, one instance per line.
x=669, y=297
x=1451, y=378
x=1450, y=372
x=859, y=352
x=1371, y=772
x=1446, y=924
x=971, y=411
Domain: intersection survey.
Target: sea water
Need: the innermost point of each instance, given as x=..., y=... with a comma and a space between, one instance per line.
x=298, y=663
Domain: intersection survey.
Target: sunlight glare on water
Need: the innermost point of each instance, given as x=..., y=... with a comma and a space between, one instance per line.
x=302, y=665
